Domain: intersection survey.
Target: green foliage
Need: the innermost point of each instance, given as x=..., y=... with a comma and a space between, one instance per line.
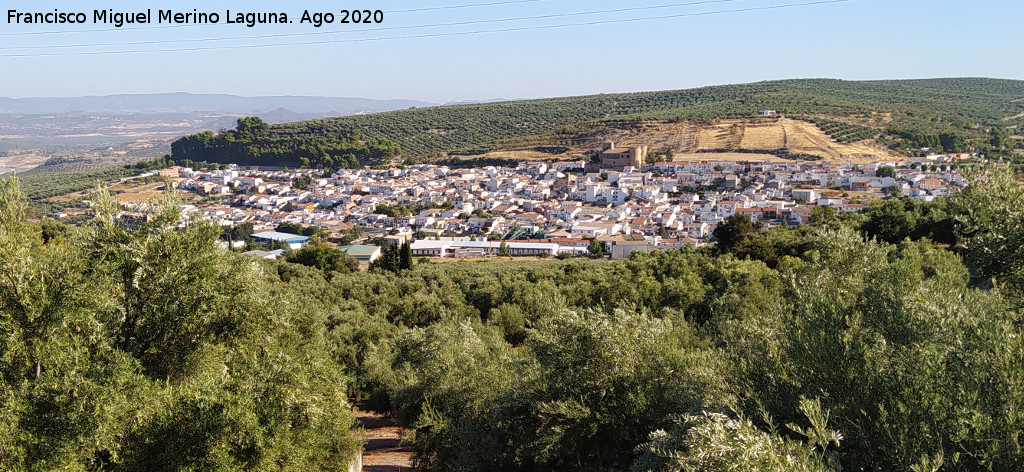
x=842, y=131
x=150, y=348
x=936, y=136
x=775, y=246
x=821, y=215
x=53, y=231
x=1000, y=138
x=299, y=229
x=713, y=442
x=886, y=336
x=894, y=220
x=394, y=258
x=302, y=182
x=327, y=259
x=990, y=225
x=889, y=336
x=399, y=210
x=405, y=257
x=584, y=390
x=254, y=142
x=241, y=232
x=393, y=212
x=731, y=232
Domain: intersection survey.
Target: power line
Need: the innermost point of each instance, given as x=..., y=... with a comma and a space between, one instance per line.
x=459, y=33
x=411, y=10
x=389, y=28
x=455, y=7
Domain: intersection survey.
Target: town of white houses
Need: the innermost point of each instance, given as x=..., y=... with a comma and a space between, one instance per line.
x=542, y=209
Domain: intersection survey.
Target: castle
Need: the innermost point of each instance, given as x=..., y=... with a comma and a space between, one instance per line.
x=613, y=157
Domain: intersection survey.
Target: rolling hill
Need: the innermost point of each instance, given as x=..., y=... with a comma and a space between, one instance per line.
x=902, y=111
x=726, y=138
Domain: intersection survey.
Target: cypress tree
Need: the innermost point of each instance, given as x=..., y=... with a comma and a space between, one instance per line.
x=405, y=260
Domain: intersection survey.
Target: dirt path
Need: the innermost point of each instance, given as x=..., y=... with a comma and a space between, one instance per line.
x=384, y=451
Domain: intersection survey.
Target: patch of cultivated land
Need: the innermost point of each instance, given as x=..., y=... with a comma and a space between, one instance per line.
x=771, y=136
x=519, y=155
x=804, y=137
x=68, y=197
x=131, y=192
x=726, y=156
x=685, y=139
x=723, y=136
x=22, y=160
x=801, y=137
x=449, y=260
x=657, y=135
x=127, y=191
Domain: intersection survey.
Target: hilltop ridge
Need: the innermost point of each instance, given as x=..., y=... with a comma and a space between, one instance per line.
x=955, y=115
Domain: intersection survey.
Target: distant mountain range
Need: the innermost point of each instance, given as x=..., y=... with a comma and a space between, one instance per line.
x=189, y=102
x=112, y=120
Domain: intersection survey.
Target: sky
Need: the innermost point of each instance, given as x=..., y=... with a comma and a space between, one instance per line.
x=452, y=50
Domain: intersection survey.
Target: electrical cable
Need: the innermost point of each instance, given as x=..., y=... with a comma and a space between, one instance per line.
x=447, y=7
x=367, y=30
x=435, y=35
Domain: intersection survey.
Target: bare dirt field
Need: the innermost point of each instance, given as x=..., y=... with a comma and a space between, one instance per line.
x=488, y=259
x=128, y=191
x=22, y=159
x=804, y=137
x=726, y=156
x=69, y=196
x=724, y=136
x=658, y=136
x=132, y=192
x=519, y=155
x=763, y=137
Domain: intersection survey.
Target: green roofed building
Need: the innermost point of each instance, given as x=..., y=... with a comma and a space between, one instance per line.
x=362, y=252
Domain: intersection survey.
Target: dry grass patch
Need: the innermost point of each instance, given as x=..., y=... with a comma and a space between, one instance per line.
x=22, y=159
x=722, y=136
x=806, y=138
x=726, y=156
x=684, y=139
x=768, y=137
x=519, y=155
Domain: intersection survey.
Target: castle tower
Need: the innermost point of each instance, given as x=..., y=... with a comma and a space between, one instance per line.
x=637, y=156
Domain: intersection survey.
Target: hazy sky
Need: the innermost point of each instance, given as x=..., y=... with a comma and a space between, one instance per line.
x=858, y=39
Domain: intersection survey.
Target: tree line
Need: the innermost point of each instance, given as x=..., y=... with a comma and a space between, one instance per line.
x=254, y=142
